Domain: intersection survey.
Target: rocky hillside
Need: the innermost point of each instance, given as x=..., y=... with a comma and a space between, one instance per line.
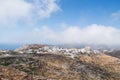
x=50, y=66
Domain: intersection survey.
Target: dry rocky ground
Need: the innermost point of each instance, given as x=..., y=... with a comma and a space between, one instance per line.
x=59, y=67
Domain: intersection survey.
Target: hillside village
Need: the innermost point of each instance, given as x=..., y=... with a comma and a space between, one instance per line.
x=71, y=52
x=43, y=62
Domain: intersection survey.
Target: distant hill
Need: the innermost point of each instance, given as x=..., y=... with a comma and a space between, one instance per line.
x=114, y=53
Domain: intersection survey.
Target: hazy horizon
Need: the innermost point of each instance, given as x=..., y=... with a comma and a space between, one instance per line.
x=15, y=46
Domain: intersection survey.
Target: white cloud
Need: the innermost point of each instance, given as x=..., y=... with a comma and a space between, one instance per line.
x=93, y=34
x=44, y=8
x=11, y=11
x=116, y=16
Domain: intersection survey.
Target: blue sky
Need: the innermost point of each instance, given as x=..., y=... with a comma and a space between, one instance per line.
x=60, y=22
x=86, y=12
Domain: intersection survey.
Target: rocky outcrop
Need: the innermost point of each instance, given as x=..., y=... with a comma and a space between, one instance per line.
x=30, y=46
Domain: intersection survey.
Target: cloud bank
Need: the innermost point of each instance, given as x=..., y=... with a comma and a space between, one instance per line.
x=93, y=34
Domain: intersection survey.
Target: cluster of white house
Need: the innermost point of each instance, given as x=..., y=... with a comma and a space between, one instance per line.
x=72, y=52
